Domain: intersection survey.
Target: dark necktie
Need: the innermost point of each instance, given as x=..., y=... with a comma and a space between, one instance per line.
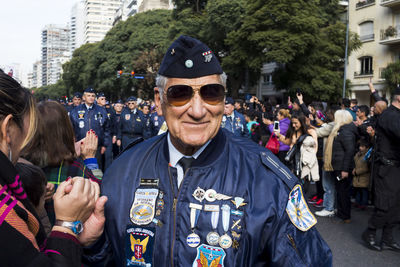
x=185, y=163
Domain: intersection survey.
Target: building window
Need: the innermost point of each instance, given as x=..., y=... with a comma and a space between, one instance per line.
x=366, y=31
x=365, y=66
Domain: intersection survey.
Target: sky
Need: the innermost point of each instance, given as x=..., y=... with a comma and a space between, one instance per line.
x=21, y=22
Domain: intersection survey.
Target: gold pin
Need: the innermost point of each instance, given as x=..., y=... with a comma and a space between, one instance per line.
x=235, y=244
x=238, y=202
x=235, y=235
x=236, y=224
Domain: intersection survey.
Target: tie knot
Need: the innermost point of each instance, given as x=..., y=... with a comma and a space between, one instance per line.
x=185, y=163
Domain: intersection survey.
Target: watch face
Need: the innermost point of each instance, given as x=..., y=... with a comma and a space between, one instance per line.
x=78, y=227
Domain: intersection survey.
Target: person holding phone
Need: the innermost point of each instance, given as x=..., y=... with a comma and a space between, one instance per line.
x=280, y=126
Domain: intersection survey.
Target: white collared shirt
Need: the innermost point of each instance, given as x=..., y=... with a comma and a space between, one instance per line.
x=88, y=107
x=175, y=156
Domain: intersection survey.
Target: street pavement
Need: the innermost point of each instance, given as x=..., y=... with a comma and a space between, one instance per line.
x=346, y=244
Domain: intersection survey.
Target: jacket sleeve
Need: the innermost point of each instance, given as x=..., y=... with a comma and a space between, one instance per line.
x=324, y=130
x=305, y=110
x=376, y=96
x=107, y=131
x=348, y=143
x=60, y=250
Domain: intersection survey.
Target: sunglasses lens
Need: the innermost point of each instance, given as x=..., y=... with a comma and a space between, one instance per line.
x=179, y=95
x=212, y=93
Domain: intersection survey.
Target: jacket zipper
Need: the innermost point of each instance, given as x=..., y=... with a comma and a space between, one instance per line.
x=174, y=211
x=291, y=239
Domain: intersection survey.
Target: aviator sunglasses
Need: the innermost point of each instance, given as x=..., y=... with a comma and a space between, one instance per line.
x=179, y=95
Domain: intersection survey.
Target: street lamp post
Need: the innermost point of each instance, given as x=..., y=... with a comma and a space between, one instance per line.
x=345, y=3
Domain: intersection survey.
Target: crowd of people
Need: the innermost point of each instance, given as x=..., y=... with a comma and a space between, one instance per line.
x=55, y=156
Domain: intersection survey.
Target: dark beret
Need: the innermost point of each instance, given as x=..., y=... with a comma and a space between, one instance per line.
x=229, y=100
x=77, y=95
x=131, y=98
x=119, y=101
x=187, y=57
x=90, y=90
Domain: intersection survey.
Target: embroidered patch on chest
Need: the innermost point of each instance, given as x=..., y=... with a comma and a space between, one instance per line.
x=139, y=246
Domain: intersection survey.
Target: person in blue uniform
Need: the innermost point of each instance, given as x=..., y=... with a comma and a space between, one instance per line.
x=232, y=120
x=76, y=101
x=89, y=116
x=199, y=195
x=131, y=124
x=156, y=122
x=118, y=106
x=147, y=123
x=108, y=155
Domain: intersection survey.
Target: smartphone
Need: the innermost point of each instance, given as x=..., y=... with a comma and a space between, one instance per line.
x=276, y=126
x=339, y=177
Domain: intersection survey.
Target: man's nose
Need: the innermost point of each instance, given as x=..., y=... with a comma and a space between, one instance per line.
x=197, y=109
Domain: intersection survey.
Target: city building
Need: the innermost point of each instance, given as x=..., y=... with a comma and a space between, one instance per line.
x=145, y=5
x=37, y=74
x=55, y=47
x=377, y=22
x=99, y=18
x=77, y=34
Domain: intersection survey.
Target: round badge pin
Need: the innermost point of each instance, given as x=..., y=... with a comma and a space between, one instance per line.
x=189, y=63
x=225, y=241
x=213, y=238
x=193, y=240
x=210, y=195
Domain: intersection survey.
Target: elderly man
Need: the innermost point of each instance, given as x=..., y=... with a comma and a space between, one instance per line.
x=232, y=120
x=198, y=195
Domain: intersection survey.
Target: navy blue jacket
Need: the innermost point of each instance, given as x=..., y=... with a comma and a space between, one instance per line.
x=95, y=119
x=230, y=165
x=157, y=122
x=237, y=127
x=147, y=127
x=131, y=124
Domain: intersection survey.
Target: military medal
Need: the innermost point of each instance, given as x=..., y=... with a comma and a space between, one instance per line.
x=199, y=194
x=213, y=237
x=237, y=212
x=193, y=239
x=236, y=224
x=225, y=241
x=235, y=244
x=143, y=207
x=211, y=195
x=238, y=202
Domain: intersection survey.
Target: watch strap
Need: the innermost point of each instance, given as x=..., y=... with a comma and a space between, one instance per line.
x=76, y=227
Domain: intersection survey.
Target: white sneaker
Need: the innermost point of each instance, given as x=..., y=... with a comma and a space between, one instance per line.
x=325, y=213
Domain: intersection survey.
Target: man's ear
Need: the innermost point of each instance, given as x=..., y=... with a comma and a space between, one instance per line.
x=157, y=101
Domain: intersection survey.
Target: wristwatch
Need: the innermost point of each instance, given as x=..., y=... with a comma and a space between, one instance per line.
x=76, y=227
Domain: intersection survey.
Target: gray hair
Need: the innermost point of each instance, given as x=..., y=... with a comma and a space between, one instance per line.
x=161, y=82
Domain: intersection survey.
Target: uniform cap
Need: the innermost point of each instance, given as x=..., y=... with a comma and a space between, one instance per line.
x=229, y=100
x=90, y=90
x=77, y=95
x=101, y=94
x=131, y=98
x=188, y=57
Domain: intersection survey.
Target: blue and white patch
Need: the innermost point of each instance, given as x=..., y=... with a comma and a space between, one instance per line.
x=81, y=124
x=209, y=256
x=298, y=211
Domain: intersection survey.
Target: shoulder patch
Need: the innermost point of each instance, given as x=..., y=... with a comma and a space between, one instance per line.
x=272, y=163
x=298, y=211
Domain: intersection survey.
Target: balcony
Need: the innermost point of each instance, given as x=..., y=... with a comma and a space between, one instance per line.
x=367, y=37
x=390, y=3
x=365, y=3
x=365, y=73
x=390, y=35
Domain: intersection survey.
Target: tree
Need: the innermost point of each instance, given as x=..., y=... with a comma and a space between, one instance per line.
x=122, y=48
x=391, y=74
x=53, y=91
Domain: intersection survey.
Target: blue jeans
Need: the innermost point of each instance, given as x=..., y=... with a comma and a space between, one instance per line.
x=328, y=183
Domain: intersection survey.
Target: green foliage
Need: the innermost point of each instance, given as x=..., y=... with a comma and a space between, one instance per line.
x=391, y=74
x=53, y=91
x=126, y=47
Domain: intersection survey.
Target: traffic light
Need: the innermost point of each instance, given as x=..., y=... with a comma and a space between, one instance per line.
x=119, y=73
x=133, y=73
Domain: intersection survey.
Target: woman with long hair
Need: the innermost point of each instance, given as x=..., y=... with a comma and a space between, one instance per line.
x=338, y=165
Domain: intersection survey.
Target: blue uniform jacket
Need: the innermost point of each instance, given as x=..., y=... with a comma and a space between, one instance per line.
x=157, y=122
x=95, y=119
x=230, y=165
x=237, y=127
x=148, y=127
x=131, y=124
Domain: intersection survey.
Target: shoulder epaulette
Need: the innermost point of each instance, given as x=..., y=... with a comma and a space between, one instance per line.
x=278, y=168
